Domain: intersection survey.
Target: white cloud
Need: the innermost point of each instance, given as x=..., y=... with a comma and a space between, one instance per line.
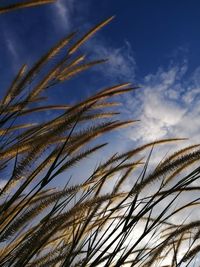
x=168, y=106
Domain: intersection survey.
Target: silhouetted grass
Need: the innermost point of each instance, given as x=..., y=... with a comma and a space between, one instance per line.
x=81, y=225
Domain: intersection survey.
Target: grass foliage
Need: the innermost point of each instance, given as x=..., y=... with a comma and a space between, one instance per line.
x=86, y=224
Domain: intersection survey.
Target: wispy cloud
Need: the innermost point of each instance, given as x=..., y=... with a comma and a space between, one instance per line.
x=12, y=48
x=63, y=12
x=121, y=63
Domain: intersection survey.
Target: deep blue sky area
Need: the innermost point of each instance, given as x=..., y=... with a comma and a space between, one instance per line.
x=157, y=30
x=150, y=42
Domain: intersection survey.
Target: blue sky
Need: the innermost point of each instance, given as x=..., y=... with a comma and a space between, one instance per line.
x=151, y=43
x=157, y=30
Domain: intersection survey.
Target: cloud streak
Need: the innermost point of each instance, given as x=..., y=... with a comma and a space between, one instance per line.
x=63, y=12
x=121, y=63
x=13, y=50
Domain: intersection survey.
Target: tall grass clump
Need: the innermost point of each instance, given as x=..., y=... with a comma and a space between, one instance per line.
x=85, y=224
